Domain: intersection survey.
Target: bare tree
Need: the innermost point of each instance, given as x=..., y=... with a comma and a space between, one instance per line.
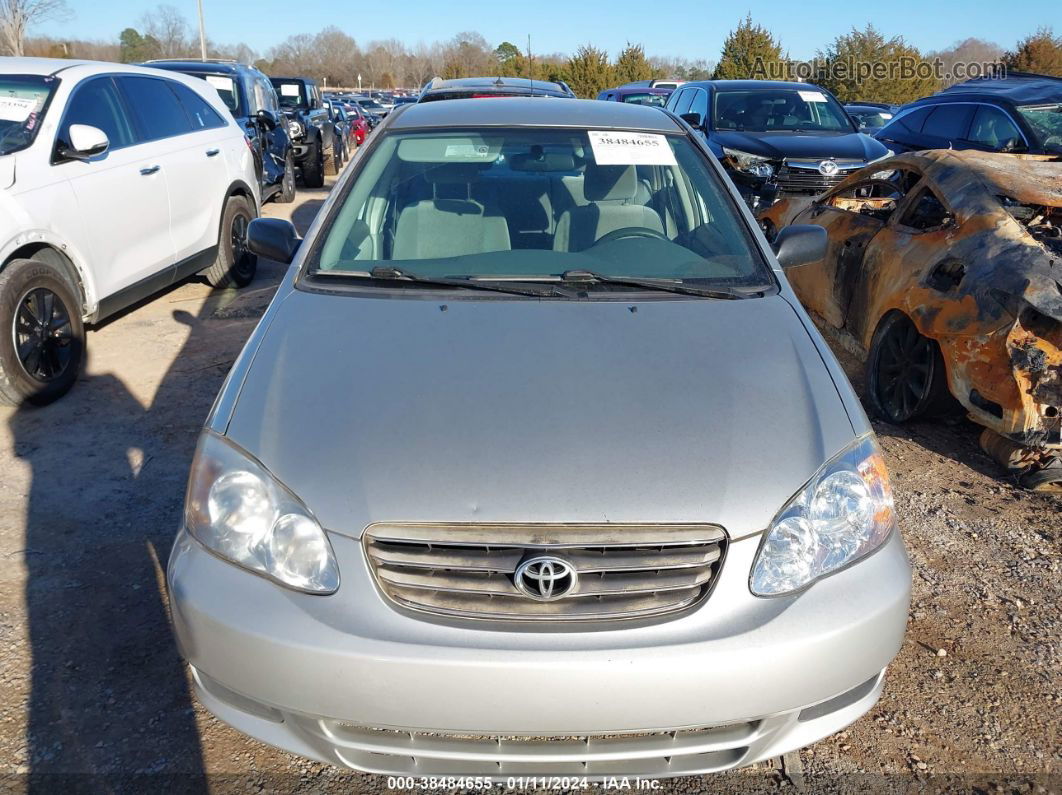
x=16, y=16
x=170, y=29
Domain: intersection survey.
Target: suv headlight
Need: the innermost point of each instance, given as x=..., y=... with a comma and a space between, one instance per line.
x=294, y=129
x=235, y=508
x=842, y=514
x=756, y=165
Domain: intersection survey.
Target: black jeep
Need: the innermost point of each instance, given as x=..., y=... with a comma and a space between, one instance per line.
x=253, y=103
x=310, y=127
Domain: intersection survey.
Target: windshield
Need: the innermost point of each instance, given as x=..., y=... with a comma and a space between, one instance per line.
x=23, y=103
x=1046, y=121
x=870, y=118
x=291, y=94
x=525, y=203
x=659, y=100
x=226, y=88
x=778, y=109
x=370, y=103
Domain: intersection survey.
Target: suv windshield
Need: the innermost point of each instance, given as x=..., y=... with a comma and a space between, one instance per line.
x=226, y=88
x=525, y=203
x=291, y=94
x=1046, y=120
x=371, y=104
x=778, y=109
x=23, y=103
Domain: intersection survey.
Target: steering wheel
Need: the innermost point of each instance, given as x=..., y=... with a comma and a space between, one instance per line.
x=631, y=231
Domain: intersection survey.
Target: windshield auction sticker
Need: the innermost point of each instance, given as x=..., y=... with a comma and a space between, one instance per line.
x=812, y=96
x=16, y=108
x=630, y=149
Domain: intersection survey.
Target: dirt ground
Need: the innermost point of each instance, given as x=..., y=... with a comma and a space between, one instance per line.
x=93, y=696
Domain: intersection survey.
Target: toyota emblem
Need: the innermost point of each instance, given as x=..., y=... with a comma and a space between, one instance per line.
x=827, y=168
x=546, y=578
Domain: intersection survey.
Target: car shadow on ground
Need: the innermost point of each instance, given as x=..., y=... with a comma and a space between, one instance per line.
x=110, y=707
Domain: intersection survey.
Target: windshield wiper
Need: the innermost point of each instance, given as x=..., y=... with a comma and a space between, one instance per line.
x=397, y=274
x=664, y=285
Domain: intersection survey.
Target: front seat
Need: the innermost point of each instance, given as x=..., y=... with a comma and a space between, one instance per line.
x=451, y=223
x=611, y=192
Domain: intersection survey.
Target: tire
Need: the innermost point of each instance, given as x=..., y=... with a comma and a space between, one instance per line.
x=313, y=169
x=332, y=163
x=40, y=318
x=905, y=377
x=235, y=266
x=287, y=185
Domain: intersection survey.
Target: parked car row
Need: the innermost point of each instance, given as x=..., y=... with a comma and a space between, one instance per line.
x=115, y=181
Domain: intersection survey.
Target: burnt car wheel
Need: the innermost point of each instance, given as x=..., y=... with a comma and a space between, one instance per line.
x=906, y=378
x=287, y=185
x=42, y=340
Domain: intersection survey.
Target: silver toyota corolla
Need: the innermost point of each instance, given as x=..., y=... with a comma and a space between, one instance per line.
x=535, y=466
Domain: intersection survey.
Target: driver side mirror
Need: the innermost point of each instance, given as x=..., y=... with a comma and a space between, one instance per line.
x=273, y=238
x=86, y=142
x=692, y=119
x=268, y=118
x=799, y=245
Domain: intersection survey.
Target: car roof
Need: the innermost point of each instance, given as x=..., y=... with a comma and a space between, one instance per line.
x=64, y=66
x=533, y=112
x=204, y=67
x=751, y=84
x=1020, y=88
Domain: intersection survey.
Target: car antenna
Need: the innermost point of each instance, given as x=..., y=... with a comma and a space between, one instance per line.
x=530, y=66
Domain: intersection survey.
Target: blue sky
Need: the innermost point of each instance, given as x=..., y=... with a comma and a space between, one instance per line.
x=688, y=28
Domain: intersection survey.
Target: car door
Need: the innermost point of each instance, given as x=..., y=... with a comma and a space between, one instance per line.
x=274, y=137
x=122, y=194
x=826, y=286
x=189, y=152
x=916, y=247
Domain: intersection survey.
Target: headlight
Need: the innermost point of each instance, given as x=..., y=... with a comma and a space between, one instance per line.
x=755, y=165
x=235, y=508
x=294, y=129
x=842, y=514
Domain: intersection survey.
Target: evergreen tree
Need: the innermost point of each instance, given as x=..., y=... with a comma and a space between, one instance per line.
x=865, y=65
x=750, y=52
x=1040, y=53
x=632, y=65
x=589, y=72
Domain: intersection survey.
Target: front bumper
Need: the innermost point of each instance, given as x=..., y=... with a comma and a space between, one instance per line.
x=348, y=680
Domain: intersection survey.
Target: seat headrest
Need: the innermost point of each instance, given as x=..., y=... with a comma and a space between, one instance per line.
x=610, y=183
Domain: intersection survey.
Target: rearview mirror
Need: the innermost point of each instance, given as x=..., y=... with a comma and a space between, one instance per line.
x=800, y=245
x=273, y=238
x=86, y=142
x=268, y=118
x=692, y=119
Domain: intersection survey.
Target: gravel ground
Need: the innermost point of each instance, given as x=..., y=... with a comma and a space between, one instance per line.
x=94, y=697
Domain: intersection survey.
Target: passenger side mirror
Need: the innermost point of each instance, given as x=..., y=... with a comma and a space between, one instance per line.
x=800, y=245
x=268, y=118
x=692, y=119
x=85, y=142
x=273, y=238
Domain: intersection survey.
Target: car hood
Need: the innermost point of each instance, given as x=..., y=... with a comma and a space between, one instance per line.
x=778, y=145
x=539, y=411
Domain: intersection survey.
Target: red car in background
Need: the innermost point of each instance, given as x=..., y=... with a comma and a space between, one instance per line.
x=358, y=122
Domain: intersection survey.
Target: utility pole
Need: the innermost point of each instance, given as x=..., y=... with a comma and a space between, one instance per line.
x=202, y=33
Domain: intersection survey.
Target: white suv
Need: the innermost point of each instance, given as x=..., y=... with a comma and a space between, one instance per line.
x=115, y=181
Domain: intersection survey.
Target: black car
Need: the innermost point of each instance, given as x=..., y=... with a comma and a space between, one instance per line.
x=775, y=138
x=870, y=116
x=309, y=125
x=371, y=107
x=1018, y=113
x=473, y=87
x=343, y=129
x=251, y=99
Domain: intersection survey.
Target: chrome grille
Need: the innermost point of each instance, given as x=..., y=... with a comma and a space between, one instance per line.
x=802, y=176
x=624, y=571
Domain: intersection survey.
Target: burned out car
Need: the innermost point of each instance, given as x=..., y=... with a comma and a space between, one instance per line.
x=946, y=267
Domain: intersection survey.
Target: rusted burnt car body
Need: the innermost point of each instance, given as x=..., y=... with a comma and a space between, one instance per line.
x=967, y=248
